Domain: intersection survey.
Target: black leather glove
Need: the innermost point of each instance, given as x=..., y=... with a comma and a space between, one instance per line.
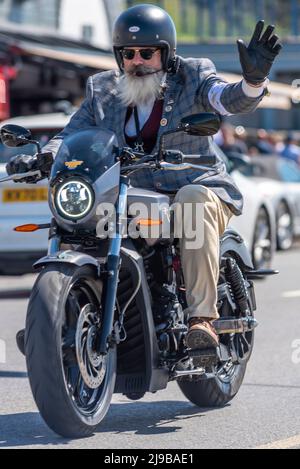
x=257, y=59
x=21, y=164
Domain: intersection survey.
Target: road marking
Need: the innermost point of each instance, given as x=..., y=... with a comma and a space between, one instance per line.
x=291, y=294
x=283, y=444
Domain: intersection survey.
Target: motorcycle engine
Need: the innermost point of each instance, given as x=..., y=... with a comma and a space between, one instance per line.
x=167, y=310
x=169, y=319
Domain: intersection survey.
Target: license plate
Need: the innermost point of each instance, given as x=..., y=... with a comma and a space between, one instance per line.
x=38, y=194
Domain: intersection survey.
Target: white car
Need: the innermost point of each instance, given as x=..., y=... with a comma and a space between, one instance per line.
x=257, y=224
x=22, y=204
x=280, y=177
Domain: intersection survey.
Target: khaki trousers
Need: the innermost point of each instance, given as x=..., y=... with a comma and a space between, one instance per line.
x=201, y=264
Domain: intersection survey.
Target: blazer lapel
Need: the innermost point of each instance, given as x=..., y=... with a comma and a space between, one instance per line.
x=174, y=87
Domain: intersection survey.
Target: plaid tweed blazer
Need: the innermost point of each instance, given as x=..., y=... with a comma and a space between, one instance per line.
x=187, y=93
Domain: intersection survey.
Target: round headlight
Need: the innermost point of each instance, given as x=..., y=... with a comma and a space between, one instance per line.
x=74, y=199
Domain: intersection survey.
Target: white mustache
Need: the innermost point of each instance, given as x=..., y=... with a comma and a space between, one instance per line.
x=142, y=71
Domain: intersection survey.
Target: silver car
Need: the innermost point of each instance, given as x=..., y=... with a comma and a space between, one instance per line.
x=280, y=178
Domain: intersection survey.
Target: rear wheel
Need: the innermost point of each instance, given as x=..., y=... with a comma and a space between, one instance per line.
x=229, y=376
x=72, y=385
x=218, y=391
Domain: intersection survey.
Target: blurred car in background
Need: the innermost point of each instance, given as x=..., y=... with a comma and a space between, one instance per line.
x=279, y=178
x=21, y=204
x=257, y=224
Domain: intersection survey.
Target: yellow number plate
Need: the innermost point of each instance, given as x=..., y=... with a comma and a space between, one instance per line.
x=38, y=194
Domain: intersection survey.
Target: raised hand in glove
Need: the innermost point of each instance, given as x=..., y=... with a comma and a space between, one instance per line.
x=257, y=59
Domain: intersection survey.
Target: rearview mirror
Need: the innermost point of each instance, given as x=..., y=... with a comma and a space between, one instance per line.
x=15, y=135
x=201, y=125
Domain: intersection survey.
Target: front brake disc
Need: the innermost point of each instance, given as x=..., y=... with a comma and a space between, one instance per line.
x=92, y=365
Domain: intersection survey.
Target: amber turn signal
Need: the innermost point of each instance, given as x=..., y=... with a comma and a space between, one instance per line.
x=150, y=222
x=27, y=228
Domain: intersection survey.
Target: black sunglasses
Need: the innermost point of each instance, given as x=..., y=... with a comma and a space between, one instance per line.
x=146, y=54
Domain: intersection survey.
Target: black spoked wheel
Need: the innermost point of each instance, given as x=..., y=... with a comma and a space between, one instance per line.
x=262, y=250
x=285, y=230
x=72, y=384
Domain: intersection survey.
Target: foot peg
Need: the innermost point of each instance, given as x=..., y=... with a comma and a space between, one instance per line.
x=204, y=357
x=259, y=274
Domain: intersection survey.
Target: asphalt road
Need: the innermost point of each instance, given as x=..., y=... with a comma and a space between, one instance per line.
x=266, y=412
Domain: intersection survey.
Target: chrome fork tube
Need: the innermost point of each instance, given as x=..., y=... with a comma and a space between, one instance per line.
x=113, y=267
x=54, y=245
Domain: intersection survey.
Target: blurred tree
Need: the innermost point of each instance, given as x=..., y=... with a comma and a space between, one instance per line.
x=209, y=19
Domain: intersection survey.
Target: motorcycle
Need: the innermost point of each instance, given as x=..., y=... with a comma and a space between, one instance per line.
x=106, y=314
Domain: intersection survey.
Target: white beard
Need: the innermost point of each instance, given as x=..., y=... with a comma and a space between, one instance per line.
x=135, y=90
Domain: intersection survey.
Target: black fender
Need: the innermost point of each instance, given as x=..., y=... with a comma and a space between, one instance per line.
x=68, y=257
x=232, y=242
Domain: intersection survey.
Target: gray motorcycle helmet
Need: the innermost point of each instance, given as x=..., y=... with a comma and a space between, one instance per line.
x=145, y=26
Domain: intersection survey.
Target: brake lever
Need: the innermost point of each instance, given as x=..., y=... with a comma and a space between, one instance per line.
x=181, y=167
x=17, y=177
x=135, y=167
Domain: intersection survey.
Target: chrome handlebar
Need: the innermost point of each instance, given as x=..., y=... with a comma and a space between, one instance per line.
x=182, y=166
x=163, y=165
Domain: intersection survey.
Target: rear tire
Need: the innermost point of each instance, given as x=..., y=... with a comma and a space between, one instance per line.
x=213, y=392
x=67, y=405
x=222, y=388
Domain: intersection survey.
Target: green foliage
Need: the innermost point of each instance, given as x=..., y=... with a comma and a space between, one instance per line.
x=208, y=20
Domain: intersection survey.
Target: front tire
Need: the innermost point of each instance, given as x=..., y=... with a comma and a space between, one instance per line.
x=68, y=406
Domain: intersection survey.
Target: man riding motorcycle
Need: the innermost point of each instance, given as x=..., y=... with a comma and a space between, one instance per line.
x=149, y=95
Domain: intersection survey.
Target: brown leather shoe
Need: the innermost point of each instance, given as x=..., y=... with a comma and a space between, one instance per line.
x=201, y=335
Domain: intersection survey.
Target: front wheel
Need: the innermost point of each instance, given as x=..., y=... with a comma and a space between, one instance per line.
x=72, y=385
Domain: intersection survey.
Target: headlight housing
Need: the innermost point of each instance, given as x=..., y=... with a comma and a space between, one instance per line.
x=74, y=199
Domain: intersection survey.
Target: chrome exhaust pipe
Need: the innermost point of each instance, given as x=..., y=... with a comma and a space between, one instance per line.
x=195, y=372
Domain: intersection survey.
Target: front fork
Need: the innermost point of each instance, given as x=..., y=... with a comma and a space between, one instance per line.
x=113, y=268
x=113, y=264
x=54, y=240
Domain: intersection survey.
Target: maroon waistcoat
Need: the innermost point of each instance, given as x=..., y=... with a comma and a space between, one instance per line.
x=150, y=130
